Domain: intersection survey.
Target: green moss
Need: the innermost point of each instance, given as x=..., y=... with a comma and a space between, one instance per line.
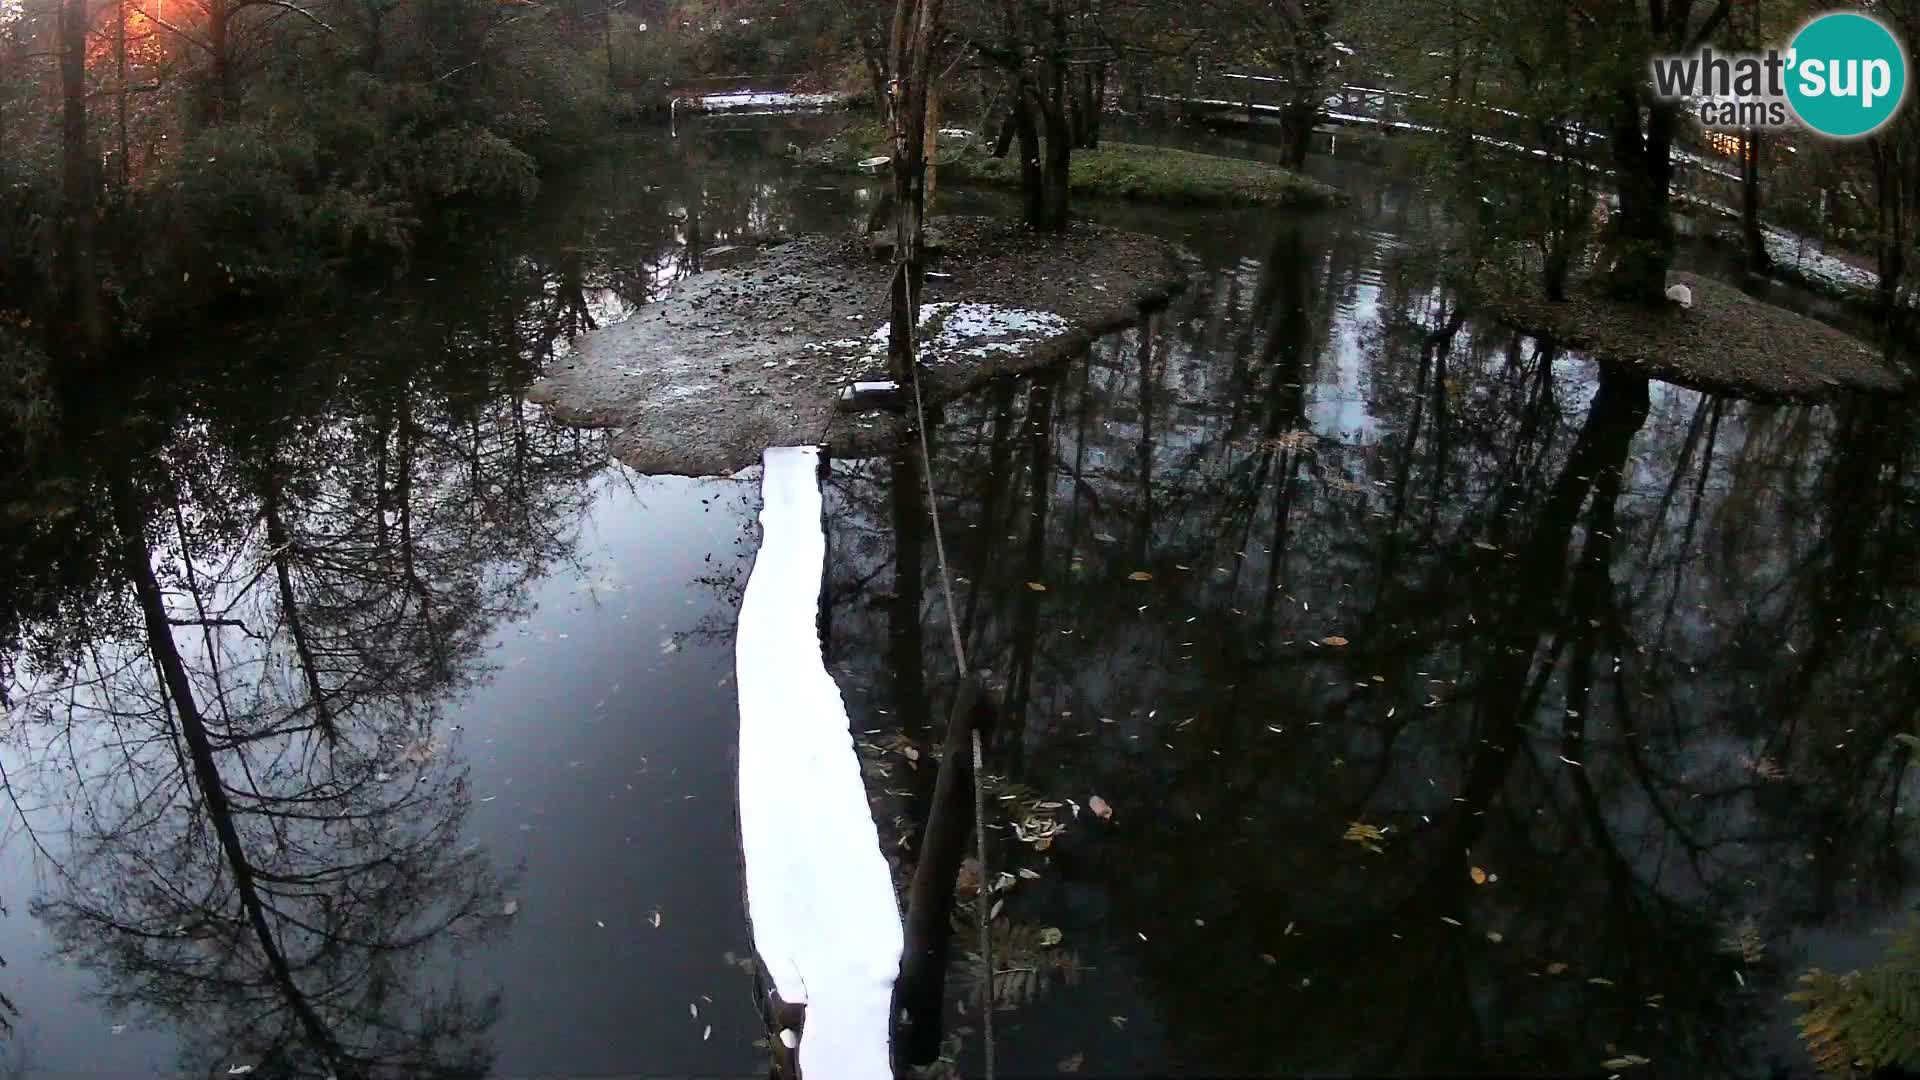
x=1114, y=171
x=1159, y=174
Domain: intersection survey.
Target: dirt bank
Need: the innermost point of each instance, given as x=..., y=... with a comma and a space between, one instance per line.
x=755, y=355
x=1127, y=171
x=1728, y=342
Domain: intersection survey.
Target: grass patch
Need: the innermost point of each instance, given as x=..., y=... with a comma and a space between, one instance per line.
x=1114, y=171
x=1728, y=342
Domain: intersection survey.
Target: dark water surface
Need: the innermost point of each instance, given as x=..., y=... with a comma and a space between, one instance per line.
x=1604, y=762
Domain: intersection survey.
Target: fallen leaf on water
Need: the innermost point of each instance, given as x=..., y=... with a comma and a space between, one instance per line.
x=707, y=1034
x=117, y=1028
x=1598, y=981
x=1484, y=546
x=1556, y=968
x=1367, y=836
x=240, y=1070
x=1333, y=639
x=911, y=753
x=1478, y=875
x=1625, y=1061
x=1050, y=937
x=1106, y=538
x=1117, y=1021
x=995, y=913
x=1451, y=921
x=1071, y=1063
x=1036, y=586
x=1496, y=937
x=1269, y=958
x=1100, y=808
x=655, y=918
x=693, y=1009
x=512, y=908
x=1029, y=874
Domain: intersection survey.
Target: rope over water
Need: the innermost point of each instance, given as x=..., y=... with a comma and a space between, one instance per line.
x=959, y=661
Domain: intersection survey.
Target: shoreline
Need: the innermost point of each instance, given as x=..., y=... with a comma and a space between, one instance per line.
x=1726, y=343
x=735, y=360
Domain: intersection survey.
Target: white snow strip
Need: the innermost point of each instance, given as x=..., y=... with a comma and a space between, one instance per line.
x=951, y=331
x=769, y=102
x=819, y=895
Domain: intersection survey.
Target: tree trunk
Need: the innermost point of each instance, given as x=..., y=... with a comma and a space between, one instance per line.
x=1891, y=188
x=910, y=61
x=120, y=94
x=220, y=63
x=80, y=276
x=1758, y=260
x=1032, y=181
x=377, y=37
x=1004, y=142
x=1053, y=113
x=1296, y=132
x=1097, y=86
x=1058, y=173
x=1643, y=165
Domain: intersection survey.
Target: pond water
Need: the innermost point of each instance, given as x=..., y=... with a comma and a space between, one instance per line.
x=1461, y=708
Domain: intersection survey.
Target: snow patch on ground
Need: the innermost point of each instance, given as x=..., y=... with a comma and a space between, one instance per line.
x=955, y=331
x=1802, y=255
x=766, y=102
x=1788, y=249
x=819, y=895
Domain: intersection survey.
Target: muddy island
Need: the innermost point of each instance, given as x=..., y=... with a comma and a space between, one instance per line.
x=1722, y=341
x=757, y=354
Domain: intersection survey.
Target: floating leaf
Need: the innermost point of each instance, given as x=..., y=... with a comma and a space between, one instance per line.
x=1478, y=875
x=1556, y=968
x=911, y=753
x=693, y=1009
x=1030, y=875
x=655, y=918
x=1484, y=546
x=1139, y=575
x=707, y=1034
x=512, y=908
x=1036, y=586
x=1100, y=808
x=1071, y=1063
x=1333, y=639
x=1598, y=981
x=1362, y=833
x=1625, y=1061
x=1051, y=936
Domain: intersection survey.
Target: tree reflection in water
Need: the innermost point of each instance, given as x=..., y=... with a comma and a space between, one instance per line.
x=248, y=790
x=1633, y=651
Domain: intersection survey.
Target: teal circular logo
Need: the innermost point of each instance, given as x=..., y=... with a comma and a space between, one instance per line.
x=1846, y=74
